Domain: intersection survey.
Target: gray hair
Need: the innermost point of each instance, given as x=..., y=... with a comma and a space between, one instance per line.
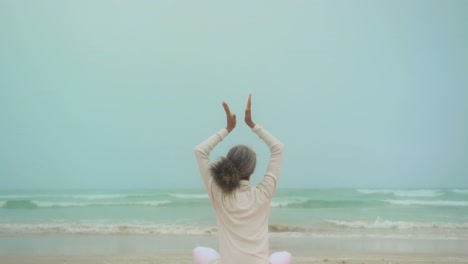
x=239, y=164
x=245, y=160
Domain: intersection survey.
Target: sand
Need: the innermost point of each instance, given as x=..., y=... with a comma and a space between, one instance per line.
x=149, y=249
x=186, y=259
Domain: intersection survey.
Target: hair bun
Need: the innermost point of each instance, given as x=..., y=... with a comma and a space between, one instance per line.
x=225, y=175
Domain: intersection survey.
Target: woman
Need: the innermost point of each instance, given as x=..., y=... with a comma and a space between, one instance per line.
x=242, y=210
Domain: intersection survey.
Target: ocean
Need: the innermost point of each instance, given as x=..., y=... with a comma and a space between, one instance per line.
x=354, y=213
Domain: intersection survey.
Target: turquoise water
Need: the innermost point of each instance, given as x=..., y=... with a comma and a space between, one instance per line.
x=437, y=213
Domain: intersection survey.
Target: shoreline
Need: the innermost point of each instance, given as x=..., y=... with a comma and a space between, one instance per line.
x=145, y=245
x=186, y=259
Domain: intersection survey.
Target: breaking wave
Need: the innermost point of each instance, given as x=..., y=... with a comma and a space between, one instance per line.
x=387, y=224
x=428, y=202
x=31, y=204
x=305, y=203
x=326, y=228
x=117, y=229
x=188, y=196
x=104, y=229
x=403, y=193
x=460, y=191
x=66, y=196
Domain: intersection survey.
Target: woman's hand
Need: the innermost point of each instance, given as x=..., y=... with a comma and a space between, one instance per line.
x=231, y=118
x=248, y=113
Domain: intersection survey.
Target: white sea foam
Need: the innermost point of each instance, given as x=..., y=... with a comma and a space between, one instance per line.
x=462, y=191
x=372, y=191
x=79, y=228
x=419, y=193
x=288, y=201
x=23, y=196
x=96, y=196
x=403, y=193
x=386, y=224
x=74, y=204
x=188, y=195
x=375, y=228
x=425, y=202
x=72, y=196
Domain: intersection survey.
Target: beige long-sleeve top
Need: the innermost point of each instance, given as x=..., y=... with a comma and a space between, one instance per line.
x=242, y=216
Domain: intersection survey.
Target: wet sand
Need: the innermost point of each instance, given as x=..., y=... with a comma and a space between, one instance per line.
x=186, y=259
x=107, y=249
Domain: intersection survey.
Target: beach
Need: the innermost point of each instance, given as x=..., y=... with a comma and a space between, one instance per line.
x=164, y=226
x=185, y=259
x=86, y=249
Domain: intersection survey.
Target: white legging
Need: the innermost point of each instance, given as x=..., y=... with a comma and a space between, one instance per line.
x=204, y=255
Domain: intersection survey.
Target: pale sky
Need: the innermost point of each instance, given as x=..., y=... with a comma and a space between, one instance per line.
x=116, y=94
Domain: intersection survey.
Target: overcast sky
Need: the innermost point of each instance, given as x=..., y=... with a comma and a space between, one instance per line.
x=116, y=94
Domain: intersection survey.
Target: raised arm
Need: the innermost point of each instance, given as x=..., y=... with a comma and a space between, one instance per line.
x=202, y=150
x=270, y=180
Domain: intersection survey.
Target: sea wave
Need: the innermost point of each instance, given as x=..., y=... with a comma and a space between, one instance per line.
x=276, y=228
x=32, y=204
x=104, y=229
x=25, y=196
x=387, y=224
x=188, y=195
x=309, y=203
x=403, y=193
x=290, y=201
x=460, y=191
x=329, y=228
x=114, y=229
x=97, y=196
x=65, y=196
x=428, y=202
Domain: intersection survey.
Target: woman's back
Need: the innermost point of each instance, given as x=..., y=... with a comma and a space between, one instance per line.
x=242, y=210
x=242, y=219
